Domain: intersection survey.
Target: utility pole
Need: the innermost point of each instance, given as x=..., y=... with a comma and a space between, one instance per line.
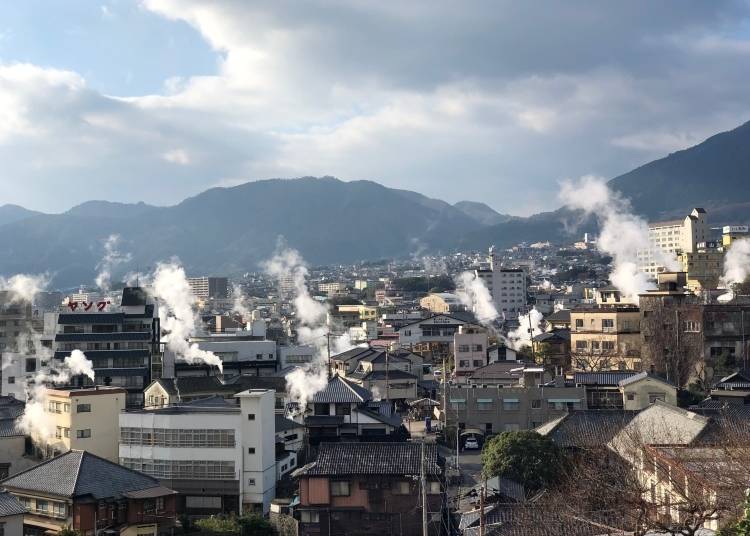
x=445, y=406
x=387, y=383
x=423, y=479
x=481, y=508
x=328, y=341
x=531, y=337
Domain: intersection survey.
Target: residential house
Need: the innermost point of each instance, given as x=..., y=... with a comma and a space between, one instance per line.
x=11, y=515
x=432, y=337
x=372, y=488
x=606, y=337
x=733, y=389
x=91, y=495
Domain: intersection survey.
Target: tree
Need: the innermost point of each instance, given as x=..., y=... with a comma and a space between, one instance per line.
x=68, y=531
x=255, y=525
x=525, y=457
x=742, y=526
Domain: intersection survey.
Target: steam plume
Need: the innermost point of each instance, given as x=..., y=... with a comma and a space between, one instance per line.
x=474, y=294
x=622, y=233
x=529, y=326
x=112, y=258
x=736, y=267
x=239, y=306
x=177, y=314
x=23, y=287
x=287, y=264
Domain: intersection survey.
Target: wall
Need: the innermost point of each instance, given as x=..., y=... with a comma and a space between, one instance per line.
x=12, y=525
x=641, y=391
x=258, y=433
x=102, y=421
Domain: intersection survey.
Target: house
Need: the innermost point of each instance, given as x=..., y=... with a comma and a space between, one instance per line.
x=469, y=350
x=11, y=515
x=340, y=412
x=602, y=388
x=586, y=429
x=219, y=455
x=553, y=348
x=500, y=352
x=605, y=337
x=432, y=337
x=371, y=488
x=13, y=455
x=91, y=494
x=640, y=390
x=733, y=389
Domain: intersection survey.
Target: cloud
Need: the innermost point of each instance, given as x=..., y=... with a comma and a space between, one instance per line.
x=412, y=95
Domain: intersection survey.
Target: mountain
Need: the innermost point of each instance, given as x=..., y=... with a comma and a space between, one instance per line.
x=714, y=174
x=482, y=213
x=229, y=230
x=13, y=213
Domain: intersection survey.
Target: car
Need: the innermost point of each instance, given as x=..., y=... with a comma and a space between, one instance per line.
x=471, y=444
x=437, y=372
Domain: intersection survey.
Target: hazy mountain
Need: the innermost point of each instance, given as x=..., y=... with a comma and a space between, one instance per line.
x=482, y=213
x=227, y=230
x=714, y=175
x=12, y=213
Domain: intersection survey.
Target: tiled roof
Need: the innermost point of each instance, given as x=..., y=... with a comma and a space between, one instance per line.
x=357, y=352
x=611, y=379
x=392, y=375
x=586, y=428
x=640, y=376
x=340, y=391
x=78, y=474
x=560, y=334
x=283, y=424
x=10, y=428
x=521, y=520
x=191, y=384
x=391, y=420
x=9, y=505
x=11, y=407
x=563, y=315
x=340, y=459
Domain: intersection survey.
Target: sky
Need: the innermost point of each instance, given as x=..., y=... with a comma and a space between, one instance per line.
x=495, y=101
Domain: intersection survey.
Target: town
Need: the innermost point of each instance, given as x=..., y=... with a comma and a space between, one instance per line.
x=472, y=393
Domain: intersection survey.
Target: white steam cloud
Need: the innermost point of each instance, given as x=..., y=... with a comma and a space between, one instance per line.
x=736, y=267
x=529, y=326
x=622, y=233
x=111, y=259
x=177, y=314
x=288, y=265
x=36, y=421
x=23, y=287
x=239, y=304
x=475, y=295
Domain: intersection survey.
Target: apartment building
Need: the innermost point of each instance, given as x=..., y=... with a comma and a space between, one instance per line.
x=704, y=266
x=209, y=287
x=607, y=337
x=332, y=288
x=372, y=486
x=240, y=354
x=432, y=337
x=219, y=455
x=121, y=341
x=470, y=350
x=84, y=419
x=93, y=496
x=669, y=238
x=507, y=286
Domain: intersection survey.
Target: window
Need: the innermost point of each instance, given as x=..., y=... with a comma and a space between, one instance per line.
x=58, y=509
x=463, y=348
x=463, y=363
x=340, y=488
x=581, y=345
x=250, y=481
x=83, y=408
x=41, y=506
x=343, y=409
x=30, y=364
x=307, y=516
x=401, y=488
x=631, y=396
x=458, y=403
x=433, y=488
x=251, y=416
x=579, y=323
x=691, y=326
x=251, y=450
x=608, y=345
x=477, y=348
x=477, y=363
x=536, y=404
x=653, y=397
x=484, y=404
x=11, y=379
x=82, y=434
x=510, y=404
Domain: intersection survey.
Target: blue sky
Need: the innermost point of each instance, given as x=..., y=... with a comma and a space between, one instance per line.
x=495, y=100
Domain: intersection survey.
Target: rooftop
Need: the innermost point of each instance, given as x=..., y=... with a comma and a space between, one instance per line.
x=340, y=459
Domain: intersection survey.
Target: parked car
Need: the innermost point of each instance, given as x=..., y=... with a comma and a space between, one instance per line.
x=471, y=444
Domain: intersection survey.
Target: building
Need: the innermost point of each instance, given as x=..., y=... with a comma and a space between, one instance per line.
x=11, y=515
x=371, y=488
x=704, y=266
x=432, y=337
x=123, y=342
x=340, y=412
x=470, y=350
x=484, y=410
x=15, y=325
x=730, y=233
x=605, y=338
x=84, y=419
x=13, y=452
x=93, y=496
x=209, y=287
x=332, y=288
x=17, y=370
x=219, y=455
x=507, y=286
x=628, y=390
x=442, y=302
x=670, y=238
x=241, y=354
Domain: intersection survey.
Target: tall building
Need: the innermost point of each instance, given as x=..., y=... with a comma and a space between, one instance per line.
x=671, y=238
x=506, y=285
x=121, y=341
x=209, y=287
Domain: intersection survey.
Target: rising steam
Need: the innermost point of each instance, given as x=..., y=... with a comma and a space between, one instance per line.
x=111, y=259
x=288, y=265
x=36, y=421
x=529, y=326
x=23, y=287
x=474, y=294
x=177, y=314
x=736, y=267
x=622, y=233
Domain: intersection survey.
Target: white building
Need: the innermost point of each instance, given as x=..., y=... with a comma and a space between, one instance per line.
x=669, y=238
x=506, y=285
x=295, y=355
x=17, y=369
x=219, y=456
x=240, y=354
x=470, y=350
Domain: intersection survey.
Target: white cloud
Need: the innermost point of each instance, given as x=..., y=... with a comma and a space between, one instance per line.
x=414, y=96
